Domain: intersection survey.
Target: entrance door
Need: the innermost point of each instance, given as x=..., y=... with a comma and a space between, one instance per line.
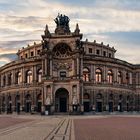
x=86, y=106
x=28, y=107
x=120, y=107
x=110, y=106
x=39, y=106
x=61, y=100
x=99, y=107
x=128, y=107
x=63, y=105
x=18, y=107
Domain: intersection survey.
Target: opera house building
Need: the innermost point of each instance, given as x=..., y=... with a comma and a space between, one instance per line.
x=65, y=74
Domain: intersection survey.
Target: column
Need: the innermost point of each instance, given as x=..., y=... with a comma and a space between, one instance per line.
x=51, y=69
x=1, y=80
x=43, y=66
x=34, y=74
x=47, y=66
x=32, y=69
x=73, y=67
x=130, y=78
x=123, y=77
x=116, y=75
x=77, y=67
x=6, y=79
x=78, y=92
x=13, y=77
x=82, y=94
x=81, y=74
x=94, y=74
x=23, y=75
x=104, y=74
x=91, y=73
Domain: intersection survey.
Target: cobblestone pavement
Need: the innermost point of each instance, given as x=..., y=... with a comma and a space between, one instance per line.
x=35, y=128
x=93, y=127
x=7, y=121
x=109, y=128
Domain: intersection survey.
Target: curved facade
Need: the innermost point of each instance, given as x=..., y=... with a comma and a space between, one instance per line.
x=65, y=74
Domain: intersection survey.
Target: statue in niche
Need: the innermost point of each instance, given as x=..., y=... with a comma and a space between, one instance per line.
x=74, y=100
x=48, y=101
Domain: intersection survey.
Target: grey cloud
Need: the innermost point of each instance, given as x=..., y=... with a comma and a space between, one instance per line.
x=13, y=46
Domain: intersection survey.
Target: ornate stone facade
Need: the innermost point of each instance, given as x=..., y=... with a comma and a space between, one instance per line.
x=66, y=74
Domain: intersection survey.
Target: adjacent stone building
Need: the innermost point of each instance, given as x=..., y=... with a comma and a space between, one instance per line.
x=66, y=74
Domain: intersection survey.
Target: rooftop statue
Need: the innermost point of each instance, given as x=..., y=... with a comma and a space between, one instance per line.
x=62, y=20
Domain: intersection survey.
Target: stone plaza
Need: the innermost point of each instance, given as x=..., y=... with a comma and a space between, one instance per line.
x=67, y=127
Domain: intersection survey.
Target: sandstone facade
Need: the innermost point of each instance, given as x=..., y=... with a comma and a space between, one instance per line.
x=65, y=74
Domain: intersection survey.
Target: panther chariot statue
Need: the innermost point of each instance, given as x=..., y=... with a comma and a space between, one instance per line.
x=62, y=24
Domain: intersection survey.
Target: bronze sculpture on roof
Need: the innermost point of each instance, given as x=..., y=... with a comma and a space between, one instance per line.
x=62, y=20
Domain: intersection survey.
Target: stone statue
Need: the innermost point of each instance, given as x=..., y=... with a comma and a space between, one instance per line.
x=62, y=23
x=62, y=20
x=74, y=100
x=47, y=32
x=48, y=101
x=77, y=30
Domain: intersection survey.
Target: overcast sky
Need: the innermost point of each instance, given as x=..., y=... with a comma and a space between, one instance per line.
x=114, y=22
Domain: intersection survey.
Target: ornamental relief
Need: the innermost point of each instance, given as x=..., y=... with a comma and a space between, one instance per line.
x=60, y=65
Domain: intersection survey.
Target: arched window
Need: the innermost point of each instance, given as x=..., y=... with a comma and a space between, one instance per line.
x=9, y=107
x=128, y=98
x=111, y=96
x=28, y=97
x=17, y=98
x=9, y=79
x=3, y=103
x=86, y=96
x=28, y=103
x=98, y=75
x=39, y=75
x=119, y=77
x=4, y=80
x=19, y=78
x=110, y=77
x=9, y=98
x=99, y=96
x=127, y=78
x=29, y=77
x=85, y=74
x=61, y=50
x=120, y=97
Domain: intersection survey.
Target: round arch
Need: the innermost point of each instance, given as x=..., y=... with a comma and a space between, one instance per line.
x=39, y=102
x=86, y=102
x=61, y=100
x=111, y=102
x=99, y=102
x=62, y=50
x=28, y=103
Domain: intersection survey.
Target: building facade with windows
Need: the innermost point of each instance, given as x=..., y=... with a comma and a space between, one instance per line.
x=65, y=74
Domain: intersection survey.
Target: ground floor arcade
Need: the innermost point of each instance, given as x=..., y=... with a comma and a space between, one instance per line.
x=33, y=102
